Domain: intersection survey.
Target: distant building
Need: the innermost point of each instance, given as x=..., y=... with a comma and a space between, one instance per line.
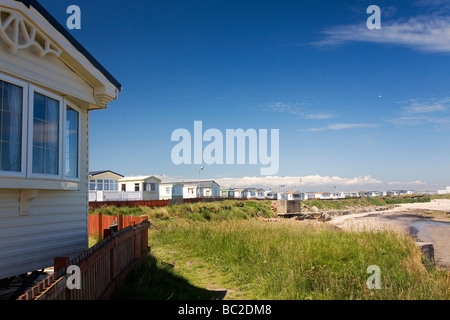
x=271, y=195
x=140, y=187
x=239, y=193
x=292, y=195
x=202, y=188
x=227, y=193
x=170, y=190
x=102, y=184
x=371, y=194
x=352, y=194
x=446, y=191
x=253, y=193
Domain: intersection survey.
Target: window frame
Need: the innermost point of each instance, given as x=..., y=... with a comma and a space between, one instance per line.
x=23, y=161
x=59, y=181
x=30, y=174
x=77, y=109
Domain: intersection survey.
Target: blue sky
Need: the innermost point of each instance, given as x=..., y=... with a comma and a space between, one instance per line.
x=356, y=108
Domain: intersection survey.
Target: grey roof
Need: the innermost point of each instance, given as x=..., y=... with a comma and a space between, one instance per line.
x=203, y=183
x=94, y=173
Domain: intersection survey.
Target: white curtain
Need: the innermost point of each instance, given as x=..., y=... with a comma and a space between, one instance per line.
x=11, y=127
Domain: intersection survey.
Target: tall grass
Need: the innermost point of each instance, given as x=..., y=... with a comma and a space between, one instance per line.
x=201, y=246
x=290, y=260
x=300, y=261
x=364, y=202
x=200, y=211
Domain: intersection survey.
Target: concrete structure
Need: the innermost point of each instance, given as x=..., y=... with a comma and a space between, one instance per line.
x=289, y=206
x=143, y=187
x=49, y=83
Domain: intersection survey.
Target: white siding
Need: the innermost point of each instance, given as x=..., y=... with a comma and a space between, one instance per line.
x=55, y=225
x=49, y=72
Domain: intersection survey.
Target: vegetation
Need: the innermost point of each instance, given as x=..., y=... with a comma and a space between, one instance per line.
x=364, y=202
x=199, y=212
x=200, y=249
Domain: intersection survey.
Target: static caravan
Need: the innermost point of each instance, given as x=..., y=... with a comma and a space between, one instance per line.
x=292, y=195
x=140, y=187
x=239, y=193
x=273, y=195
x=48, y=85
x=170, y=190
x=202, y=188
x=227, y=193
x=103, y=185
x=253, y=193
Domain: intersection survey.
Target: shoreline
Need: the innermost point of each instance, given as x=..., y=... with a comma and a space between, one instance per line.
x=415, y=219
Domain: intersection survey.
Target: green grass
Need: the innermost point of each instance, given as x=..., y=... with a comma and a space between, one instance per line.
x=199, y=248
x=199, y=212
x=364, y=202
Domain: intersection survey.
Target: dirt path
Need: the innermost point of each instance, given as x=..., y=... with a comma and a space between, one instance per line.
x=408, y=218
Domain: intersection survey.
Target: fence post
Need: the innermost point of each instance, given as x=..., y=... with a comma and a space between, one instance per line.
x=100, y=224
x=109, y=233
x=120, y=222
x=61, y=264
x=144, y=240
x=137, y=243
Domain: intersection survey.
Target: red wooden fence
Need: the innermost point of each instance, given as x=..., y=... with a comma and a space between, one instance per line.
x=99, y=222
x=153, y=203
x=102, y=267
x=133, y=203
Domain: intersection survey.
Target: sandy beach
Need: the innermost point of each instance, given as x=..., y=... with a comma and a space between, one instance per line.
x=410, y=219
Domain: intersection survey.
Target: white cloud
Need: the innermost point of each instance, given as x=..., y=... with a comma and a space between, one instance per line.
x=415, y=106
x=292, y=108
x=319, y=116
x=302, y=110
x=424, y=33
x=343, y=126
x=417, y=182
x=434, y=112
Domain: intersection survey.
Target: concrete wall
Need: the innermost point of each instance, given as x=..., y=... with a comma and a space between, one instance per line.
x=288, y=206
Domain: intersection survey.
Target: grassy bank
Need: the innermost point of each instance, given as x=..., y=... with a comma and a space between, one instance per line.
x=364, y=202
x=201, y=248
x=199, y=212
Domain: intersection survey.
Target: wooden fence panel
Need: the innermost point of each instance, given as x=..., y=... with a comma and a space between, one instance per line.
x=99, y=222
x=102, y=267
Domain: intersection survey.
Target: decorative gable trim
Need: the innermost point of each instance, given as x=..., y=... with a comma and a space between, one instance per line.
x=19, y=33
